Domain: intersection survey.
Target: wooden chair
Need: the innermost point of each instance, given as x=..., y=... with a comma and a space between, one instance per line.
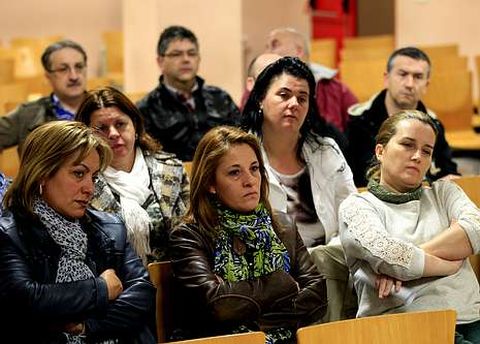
x=381, y=53
x=450, y=97
x=385, y=41
x=417, y=327
x=135, y=96
x=471, y=186
x=440, y=50
x=162, y=278
x=10, y=162
x=241, y=338
x=7, y=70
x=113, y=43
x=187, y=166
x=477, y=67
x=363, y=77
x=12, y=93
x=323, y=51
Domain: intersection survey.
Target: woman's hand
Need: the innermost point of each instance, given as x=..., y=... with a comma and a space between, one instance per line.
x=385, y=283
x=114, y=284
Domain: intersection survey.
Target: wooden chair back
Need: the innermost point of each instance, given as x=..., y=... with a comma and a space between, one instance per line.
x=362, y=42
x=240, y=338
x=381, y=53
x=477, y=68
x=440, y=50
x=323, y=51
x=135, y=96
x=10, y=161
x=12, y=93
x=113, y=43
x=162, y=278
x=446, y=63
x=450, y=96
x=7, y=70
x=430, y=327
x=471, y=186
x=363, y=77
x=187, y=166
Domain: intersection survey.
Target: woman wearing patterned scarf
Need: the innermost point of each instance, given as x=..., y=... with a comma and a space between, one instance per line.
x=147, y=187
x=240, y=267
x=68, y=273
x=408, y=244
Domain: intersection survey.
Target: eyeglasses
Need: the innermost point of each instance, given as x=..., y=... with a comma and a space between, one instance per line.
x=66, y=69
x=177, y=54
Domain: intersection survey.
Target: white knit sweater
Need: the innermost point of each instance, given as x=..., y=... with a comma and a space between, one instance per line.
x=381, y=237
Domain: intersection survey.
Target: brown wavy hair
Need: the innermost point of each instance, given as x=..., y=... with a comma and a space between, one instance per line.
x=211, y=148
x=45, y=150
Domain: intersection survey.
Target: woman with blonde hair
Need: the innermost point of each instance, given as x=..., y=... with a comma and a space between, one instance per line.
x=407, y=244
x=68, y=273
x=146, y=186
x=240, y=266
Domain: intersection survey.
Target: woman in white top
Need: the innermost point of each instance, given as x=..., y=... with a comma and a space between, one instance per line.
x=308, y=174
x=407, y=244
x=146, y=186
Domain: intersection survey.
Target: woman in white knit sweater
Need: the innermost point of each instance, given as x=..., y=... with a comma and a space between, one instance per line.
x=407, y=245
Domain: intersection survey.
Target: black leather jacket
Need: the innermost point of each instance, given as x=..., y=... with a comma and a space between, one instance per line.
x=35, y=308
x=280, y=299
x=178, y=130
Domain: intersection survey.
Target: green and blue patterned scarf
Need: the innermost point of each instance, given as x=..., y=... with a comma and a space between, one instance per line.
x=262, y=244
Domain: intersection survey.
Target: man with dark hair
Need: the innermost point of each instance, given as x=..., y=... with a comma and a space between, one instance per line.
x=182, y=108
x=65, y=65
x=406, y=80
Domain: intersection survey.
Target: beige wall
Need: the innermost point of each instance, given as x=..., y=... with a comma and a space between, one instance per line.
x=440, y=21
x=82, y=21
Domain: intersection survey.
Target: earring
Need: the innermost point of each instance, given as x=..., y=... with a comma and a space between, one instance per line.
x=41, y=189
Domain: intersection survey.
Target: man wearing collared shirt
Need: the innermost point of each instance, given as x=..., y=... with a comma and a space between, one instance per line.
x=65, y=65
x=182, y=108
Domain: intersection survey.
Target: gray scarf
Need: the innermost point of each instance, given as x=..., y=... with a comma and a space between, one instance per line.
x=73, y=244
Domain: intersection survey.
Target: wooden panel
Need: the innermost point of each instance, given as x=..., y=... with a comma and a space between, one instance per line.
x=363, y=77
x=381, y=53
x=162, y=278
x=241, y=338
x=431, y=327
x=386, y=41
x=7, y=69
x=449, y=95
x=323, y=51
x=113, y=43
x=440, y=50
x=10, y=162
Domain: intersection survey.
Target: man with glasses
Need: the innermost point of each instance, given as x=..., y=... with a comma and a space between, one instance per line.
x=65, y=65
x=182, y=108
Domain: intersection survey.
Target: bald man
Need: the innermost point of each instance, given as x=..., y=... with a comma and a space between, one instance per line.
x=333, y=97
x=257, y=65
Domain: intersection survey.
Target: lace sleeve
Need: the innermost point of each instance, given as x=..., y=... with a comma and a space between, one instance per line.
x=365, y=237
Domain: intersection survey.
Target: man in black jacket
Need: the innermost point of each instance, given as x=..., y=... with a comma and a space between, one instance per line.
x=406, y=81
x=182, y=108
